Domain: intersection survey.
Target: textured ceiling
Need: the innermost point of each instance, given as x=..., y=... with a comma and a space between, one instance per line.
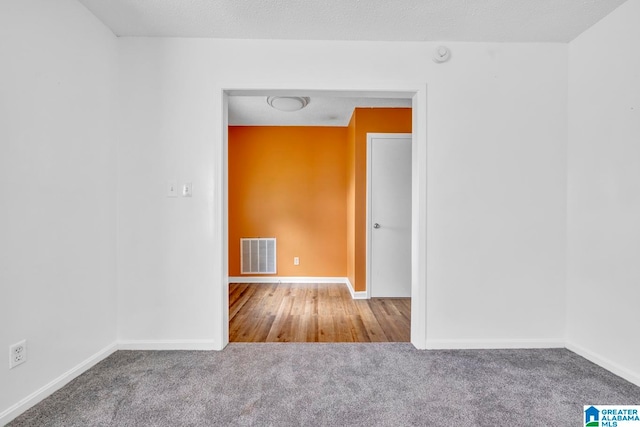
x=396, y=20
x=321, y=111
x=388, y=20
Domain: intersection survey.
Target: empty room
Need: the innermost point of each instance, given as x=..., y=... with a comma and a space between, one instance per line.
x=298, y=202
x=169, y=256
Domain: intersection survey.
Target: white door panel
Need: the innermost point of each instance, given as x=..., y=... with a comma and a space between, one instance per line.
x=390, y=215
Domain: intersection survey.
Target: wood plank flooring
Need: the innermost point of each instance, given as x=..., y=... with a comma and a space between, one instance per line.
x=260, y=312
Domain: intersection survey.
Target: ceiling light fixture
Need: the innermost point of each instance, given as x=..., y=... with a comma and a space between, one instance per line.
x=288, y=103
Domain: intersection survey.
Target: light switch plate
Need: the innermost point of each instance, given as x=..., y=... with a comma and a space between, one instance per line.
x=187, y=189
x=172, y=189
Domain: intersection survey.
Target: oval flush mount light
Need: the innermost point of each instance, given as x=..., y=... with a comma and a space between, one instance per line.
x=442, y=54
x=288, y=103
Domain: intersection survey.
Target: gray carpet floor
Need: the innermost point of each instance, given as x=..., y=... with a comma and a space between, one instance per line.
x=333, y=385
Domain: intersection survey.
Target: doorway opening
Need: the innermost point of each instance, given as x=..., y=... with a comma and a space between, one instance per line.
x=297, y=293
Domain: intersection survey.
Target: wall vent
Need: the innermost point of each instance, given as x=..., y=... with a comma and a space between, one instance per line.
x=258, y=256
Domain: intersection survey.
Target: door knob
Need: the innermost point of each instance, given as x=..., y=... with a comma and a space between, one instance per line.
x=376, y=225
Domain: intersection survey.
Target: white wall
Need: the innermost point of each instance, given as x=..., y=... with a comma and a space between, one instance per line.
x=496, y=208
x=57, y=181
x=604, y=193
x=496, y=122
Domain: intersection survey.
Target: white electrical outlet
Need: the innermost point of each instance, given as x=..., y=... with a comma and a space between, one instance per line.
x=187, y=188
x=296, y=260
x=17, y=354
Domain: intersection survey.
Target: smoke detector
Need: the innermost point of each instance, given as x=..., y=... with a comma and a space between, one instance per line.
x=442, y=54
x=288, y=103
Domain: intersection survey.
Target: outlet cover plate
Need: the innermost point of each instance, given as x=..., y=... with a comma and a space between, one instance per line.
x=17, y=354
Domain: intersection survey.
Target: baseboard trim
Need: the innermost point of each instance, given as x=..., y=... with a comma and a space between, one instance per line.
x=166, y=345
x=300, y=279
x=491, y=344
x=605, y=363
x=47, y=390
x=285, y=279
x=355, y=294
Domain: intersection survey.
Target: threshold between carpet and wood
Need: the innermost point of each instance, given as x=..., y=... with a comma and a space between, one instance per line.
x=314, y=312
x=342, y=384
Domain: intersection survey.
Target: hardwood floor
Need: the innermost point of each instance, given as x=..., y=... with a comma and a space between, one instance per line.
x=314, y=313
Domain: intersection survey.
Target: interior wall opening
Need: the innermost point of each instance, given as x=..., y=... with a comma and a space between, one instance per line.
x=299, y=178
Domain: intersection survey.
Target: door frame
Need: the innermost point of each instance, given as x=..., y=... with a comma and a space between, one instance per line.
x=327, y=86
x=369, y=235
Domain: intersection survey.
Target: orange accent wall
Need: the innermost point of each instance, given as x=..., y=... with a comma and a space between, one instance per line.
x=364, y=120
x=306, y=186
x=290, y=183
x=351, y=200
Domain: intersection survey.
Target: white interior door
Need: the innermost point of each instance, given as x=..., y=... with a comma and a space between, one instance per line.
x=389, y=215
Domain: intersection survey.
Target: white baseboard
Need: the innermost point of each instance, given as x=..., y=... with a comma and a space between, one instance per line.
x=633, y=377
x=43, y=392
x=166, y=345
x=355, y=294
x=300, y=279
x=285, y=279
x=491, y=344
